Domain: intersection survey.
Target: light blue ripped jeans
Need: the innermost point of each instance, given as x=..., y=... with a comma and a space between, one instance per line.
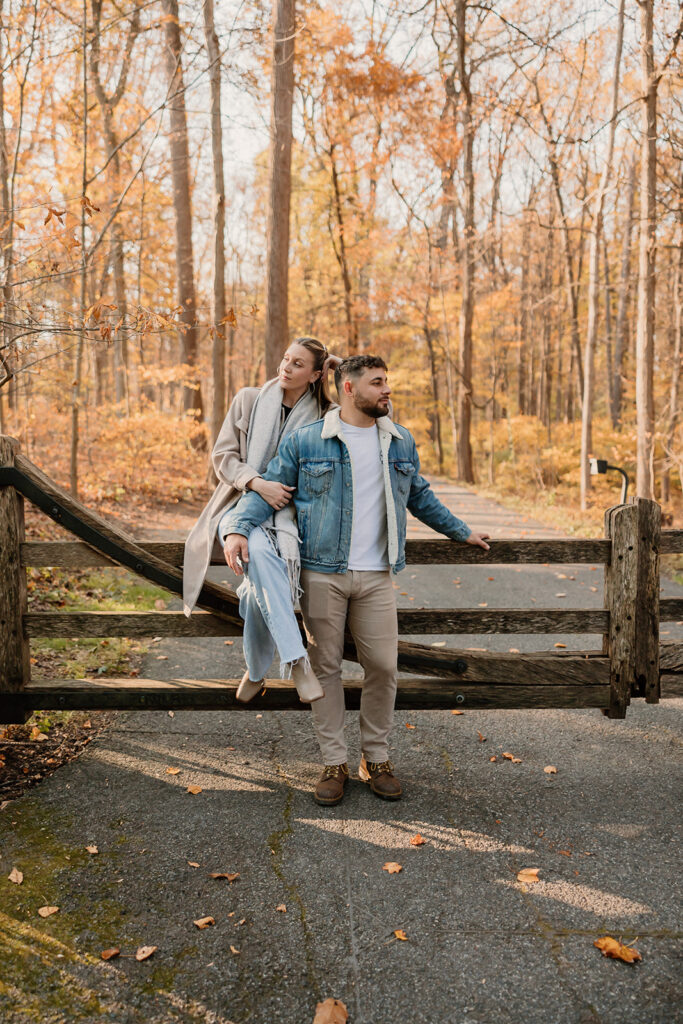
x=266, y=607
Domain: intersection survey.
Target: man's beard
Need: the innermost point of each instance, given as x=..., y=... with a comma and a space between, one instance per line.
x=370, y=408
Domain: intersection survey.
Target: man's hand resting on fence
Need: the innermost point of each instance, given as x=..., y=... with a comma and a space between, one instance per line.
x=480, y=540
x=236, y=551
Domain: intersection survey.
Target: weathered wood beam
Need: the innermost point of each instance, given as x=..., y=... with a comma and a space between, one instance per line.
x=417, y=621
x=76, y=555
x=15, y=665
x=413, y=695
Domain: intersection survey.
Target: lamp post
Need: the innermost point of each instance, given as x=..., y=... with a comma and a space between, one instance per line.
x=601, y=466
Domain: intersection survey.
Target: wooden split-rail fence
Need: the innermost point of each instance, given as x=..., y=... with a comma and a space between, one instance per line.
x=631, y=664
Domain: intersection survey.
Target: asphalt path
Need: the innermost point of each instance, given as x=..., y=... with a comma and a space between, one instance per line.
x=480, y=946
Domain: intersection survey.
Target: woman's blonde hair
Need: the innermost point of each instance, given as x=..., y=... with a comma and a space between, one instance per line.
x=320, y=388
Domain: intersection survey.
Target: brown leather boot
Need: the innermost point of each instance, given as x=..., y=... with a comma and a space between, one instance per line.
x=380, y=775
x=330, y=788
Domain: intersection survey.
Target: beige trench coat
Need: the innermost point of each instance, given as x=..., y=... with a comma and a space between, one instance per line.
x=230, y=466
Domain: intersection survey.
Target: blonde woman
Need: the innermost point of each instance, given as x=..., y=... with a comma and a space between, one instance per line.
x=256, y=423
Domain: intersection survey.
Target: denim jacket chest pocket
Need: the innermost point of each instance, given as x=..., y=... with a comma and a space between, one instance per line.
x=316, y=476
x=403, y=475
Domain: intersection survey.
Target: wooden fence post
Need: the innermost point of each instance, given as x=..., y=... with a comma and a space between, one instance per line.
x=632, y=598
x=15, y=664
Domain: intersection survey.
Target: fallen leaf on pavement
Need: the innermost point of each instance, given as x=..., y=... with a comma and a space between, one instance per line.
x=409, y=726
x=400, y=934
x=611, y=947
x=550, y=769
x=565, y=853
x=513, y=650
x=482, y=738
x=392, y=867
x=47, y=911
x=194, y=790
x=282, y=908
x=439, y=643
x=16, y=876
x=417, y=840
x=560, y=595
x=457, y=712
x=173, y=771
x=87, y=725
x=331, y=1011
x=92, y=849
x=528, y=875
x=204, y=922
x=494, y=758
x=228, y=643
x=483, y=604
x=109, y=954
x=235, y=951
x=171, y=714
x=144, y=952
x=231, y=876
x=560, y=645
x=511, y=757
x=193, y=863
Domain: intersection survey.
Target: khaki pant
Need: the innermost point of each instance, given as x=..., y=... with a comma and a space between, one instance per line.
x=366, y=600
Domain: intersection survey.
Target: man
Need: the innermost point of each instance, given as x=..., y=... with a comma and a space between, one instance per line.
x=354, y=473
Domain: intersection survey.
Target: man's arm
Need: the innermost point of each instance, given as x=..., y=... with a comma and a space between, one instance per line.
x=426, y=507
x=252, y=510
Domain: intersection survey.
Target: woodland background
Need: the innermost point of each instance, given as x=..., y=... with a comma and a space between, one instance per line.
x=489, y=194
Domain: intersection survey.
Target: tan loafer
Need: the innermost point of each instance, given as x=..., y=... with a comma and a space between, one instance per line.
x=306, y=681
x=380, y=775
x=248, y=689
x=330, y=787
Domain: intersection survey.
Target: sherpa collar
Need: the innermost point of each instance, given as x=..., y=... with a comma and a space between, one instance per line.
x=333, y=426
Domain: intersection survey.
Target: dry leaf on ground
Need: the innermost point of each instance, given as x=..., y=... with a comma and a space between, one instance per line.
x=47, y=911
x=87, y=725
x=173, y=771
x=410, y=726
x=392, y=867
x=235, y=951
x=193, y=863
x=612, y=948
x=511, y=757
x=92, y=849
x=160, y=604
x=109, y=954
x=231, y=876
x=494, y=758
x=204, y=922
x=282, y=908
x=550, y=769
x=560, y=645
x=331, y=1011
x=401, y=935
x=144, y=952
x=16, y=876
x=565, y=853
x=482, y=738
x=457, y=712
x=194, y=790
x=417, y=840
x=528, y=875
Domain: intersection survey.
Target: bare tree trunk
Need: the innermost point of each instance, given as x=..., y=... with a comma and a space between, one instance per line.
x=546, y=376
x=523, y=322
x=645, y=328
x=277, y=326
x=339, y=244
x=594, y=276
x=622, y=326
x=180, y=172
x=78, y=356
x=465, y=467
x=609, y=333
x=219, y=308
x=670, y=442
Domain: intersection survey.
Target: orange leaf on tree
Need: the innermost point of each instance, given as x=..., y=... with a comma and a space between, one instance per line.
x=612, y=948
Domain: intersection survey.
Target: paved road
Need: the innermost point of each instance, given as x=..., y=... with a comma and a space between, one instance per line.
x=481, y=947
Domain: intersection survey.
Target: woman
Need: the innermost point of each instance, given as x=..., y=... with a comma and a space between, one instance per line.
x=257, y=421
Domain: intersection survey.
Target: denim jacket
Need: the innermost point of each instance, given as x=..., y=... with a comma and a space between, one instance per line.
x=316, y=460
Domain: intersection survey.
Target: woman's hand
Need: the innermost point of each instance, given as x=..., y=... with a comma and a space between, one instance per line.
x=276, y=494
x=331, y=363
x=479, y=539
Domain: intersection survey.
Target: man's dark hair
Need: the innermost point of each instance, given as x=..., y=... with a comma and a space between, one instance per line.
x=354, y=366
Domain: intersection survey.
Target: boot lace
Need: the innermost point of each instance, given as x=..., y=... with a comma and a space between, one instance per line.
x=331, y=771
x=380, y=767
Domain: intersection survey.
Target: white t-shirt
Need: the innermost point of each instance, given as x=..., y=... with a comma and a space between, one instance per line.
x=369, y=532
